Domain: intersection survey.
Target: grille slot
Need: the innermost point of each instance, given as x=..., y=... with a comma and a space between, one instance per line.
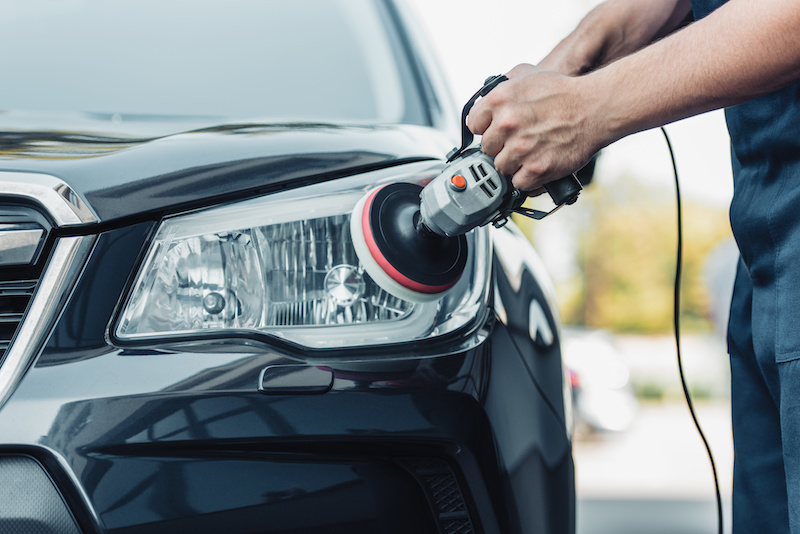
x=444, y=494
x=23, y=253
x=14, y=299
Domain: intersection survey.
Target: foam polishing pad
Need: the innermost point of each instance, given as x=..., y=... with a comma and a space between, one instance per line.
x=398, y=252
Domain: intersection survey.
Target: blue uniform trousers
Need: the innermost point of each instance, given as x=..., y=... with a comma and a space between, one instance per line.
x=766, y=417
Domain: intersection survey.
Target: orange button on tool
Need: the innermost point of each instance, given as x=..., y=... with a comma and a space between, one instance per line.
x=458, y=182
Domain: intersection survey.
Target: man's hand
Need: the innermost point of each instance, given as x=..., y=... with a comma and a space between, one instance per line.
x=542, y=125
x=538, y=126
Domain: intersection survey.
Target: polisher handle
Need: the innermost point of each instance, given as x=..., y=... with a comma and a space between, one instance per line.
x=564, y=190
x=466, y=134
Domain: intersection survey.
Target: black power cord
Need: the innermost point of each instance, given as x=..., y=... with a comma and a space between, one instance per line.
x=676, y=324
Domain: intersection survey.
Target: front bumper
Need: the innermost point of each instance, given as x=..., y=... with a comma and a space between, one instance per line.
x=182, y=440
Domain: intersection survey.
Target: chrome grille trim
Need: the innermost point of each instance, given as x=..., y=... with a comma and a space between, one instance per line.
x=63, y=204
x=47, y=295
x=61, y=272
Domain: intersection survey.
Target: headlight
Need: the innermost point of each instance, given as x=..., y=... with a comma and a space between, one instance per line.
x=283, y=265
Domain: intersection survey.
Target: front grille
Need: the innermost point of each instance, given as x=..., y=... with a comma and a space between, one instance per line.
x=458, y=526
x=30, y=501
x=444, y=494
x=444, y=488
x=23, y=252
x=15, y=295
x=37, y=270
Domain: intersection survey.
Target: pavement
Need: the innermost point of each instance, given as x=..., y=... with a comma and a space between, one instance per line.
x=597, y=516
x=655, y=476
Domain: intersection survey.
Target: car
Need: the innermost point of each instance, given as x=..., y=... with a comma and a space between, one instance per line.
x=189, y=342
x=603, y=395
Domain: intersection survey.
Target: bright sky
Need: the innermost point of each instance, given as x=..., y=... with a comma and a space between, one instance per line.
x=476, y=39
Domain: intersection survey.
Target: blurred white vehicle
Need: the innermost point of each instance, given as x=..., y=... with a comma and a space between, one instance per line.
x=602, y=393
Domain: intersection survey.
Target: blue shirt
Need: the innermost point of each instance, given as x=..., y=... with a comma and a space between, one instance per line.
x=765, y=211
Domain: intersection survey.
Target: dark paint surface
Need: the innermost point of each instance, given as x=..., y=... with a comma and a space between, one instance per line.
x=121, y=177
x=172, y=440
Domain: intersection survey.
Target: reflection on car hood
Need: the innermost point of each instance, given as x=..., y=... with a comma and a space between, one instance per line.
x=124, y=174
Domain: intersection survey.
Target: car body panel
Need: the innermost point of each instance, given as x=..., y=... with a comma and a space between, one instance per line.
x=121, y=177
x=112, y=413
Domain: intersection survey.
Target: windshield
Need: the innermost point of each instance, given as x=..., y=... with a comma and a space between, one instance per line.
x=296, y=60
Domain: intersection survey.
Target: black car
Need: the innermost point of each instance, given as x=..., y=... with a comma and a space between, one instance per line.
x=188, y=342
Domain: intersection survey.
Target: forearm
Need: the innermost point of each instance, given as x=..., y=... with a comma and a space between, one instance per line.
x=743, y=50
x=542, y=125
x=613, y=30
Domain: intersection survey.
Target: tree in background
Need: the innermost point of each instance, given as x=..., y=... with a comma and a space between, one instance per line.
x=625, y=251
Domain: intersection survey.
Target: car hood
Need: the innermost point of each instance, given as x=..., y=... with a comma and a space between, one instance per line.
x=128, y=173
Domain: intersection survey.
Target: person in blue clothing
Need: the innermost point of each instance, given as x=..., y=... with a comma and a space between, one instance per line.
x=632, y=65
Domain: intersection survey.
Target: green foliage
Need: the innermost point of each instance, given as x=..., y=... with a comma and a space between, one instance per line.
x=626, y=260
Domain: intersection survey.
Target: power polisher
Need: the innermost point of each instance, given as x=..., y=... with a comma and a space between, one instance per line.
x=411, y=239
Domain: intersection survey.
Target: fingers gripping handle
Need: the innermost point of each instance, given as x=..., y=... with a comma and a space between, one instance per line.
x=562, y=191
x=466, y=134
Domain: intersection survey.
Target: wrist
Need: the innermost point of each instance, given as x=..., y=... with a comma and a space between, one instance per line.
x=603, y=113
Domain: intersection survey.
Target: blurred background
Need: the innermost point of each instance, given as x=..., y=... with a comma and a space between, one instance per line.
x=640, y=464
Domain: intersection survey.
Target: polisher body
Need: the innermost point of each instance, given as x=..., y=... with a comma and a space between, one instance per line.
x=468, y=193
